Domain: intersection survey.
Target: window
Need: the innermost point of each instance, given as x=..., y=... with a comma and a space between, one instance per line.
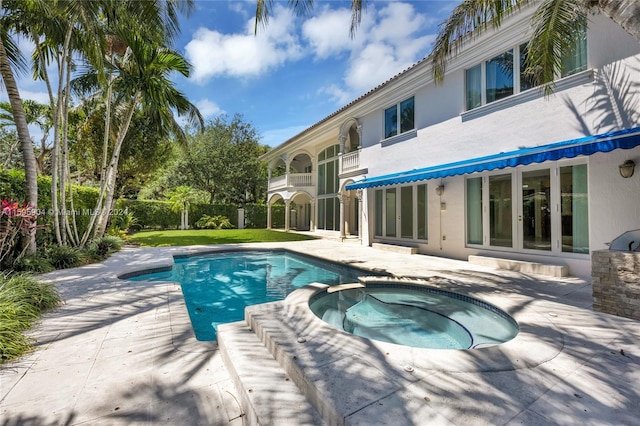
x=401, y=212
x=574, y=209
x=379, y=216
x=406, y=212
x=576, y=61
x=526, y=80
x=499, y=75
x=474, y=87
x=402, y=114
x=501, y=78
x=328, y=206
x=500, y=211
x=474, y=211
x=422, y=212
x=390, y=204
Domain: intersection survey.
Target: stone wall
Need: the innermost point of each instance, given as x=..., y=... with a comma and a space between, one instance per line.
x=616, y=282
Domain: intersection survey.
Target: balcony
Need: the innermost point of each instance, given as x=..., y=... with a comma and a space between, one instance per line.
x=291, y=180
x=350, y=161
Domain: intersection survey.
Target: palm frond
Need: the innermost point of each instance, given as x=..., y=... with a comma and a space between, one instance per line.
x=557, y=24
x=467, y=21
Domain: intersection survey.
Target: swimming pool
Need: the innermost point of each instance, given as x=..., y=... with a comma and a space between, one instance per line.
x=415, y=315
x=218, y=286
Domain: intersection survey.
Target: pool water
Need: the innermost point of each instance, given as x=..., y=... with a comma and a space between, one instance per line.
x=218, y=286
x=416, y=316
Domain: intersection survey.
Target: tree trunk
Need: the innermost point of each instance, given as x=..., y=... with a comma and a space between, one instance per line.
x=29, y=158
x=625, y=13
x=112, y=172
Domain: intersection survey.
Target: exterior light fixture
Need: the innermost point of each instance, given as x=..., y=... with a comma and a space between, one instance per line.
x=440, y=189
x=627, y=168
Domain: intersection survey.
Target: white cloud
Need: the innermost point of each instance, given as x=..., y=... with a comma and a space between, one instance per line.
x=208, y=109
x=388, y=41
x=244, y=55
x=328, y=32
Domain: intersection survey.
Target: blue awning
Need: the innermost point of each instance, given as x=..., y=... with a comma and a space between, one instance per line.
x=621, y=139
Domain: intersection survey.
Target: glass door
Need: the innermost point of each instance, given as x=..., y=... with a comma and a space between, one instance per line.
x=535, y=217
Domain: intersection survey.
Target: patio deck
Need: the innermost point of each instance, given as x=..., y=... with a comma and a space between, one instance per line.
x=120, y=352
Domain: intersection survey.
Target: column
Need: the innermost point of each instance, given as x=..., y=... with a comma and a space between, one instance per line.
x=287, y=206
x=359, y=212
x=343, y=234
x=268, y=215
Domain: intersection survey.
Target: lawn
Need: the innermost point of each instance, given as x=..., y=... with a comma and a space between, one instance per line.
x=212, y=236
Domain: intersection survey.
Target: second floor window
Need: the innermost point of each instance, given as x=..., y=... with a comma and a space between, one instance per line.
x=398, y=119
x=504, y=74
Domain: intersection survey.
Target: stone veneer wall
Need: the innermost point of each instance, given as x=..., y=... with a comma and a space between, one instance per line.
x=616, y=282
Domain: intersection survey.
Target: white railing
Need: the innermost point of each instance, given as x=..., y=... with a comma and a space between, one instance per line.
x=294, y=180
x=278, y=182
x=350, y=161
x=300, y=179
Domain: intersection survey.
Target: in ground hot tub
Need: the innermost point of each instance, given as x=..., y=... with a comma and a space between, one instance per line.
x=414, y=315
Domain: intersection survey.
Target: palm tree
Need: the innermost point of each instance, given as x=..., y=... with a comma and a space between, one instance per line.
x=142, y=81
x=9, y=54
x=181, y=198
x=556, y=25
x=36, y=114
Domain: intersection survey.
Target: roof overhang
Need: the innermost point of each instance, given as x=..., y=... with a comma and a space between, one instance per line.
x=621, y=139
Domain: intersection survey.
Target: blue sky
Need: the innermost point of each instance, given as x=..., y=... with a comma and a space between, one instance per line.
x=297, y=70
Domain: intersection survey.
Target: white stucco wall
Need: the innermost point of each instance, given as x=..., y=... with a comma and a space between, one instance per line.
x=592, y=107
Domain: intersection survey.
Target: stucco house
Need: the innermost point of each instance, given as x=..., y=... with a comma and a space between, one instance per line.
x=483, y=164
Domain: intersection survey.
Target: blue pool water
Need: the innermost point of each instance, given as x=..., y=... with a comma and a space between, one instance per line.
x=217, y=287
x=418, y=316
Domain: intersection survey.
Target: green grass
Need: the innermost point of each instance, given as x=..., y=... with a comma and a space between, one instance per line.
x=212, y=236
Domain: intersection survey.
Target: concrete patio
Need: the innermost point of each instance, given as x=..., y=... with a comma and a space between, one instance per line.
x=121, y=352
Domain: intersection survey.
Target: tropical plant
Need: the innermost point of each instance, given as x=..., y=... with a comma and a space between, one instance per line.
x=556, y=24
x=22, y=300
x=16, y=221
x=181, y=198
x=214, y=222
x=63, y=257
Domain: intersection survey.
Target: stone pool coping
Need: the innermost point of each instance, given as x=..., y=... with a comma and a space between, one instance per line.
x=532, y=346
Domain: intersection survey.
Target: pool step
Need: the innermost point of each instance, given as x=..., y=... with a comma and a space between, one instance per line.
x=268, y=396
x=342, y=377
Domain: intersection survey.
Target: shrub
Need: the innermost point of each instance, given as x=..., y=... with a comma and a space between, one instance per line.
x=214, y=222
x=104, y=246
x=33, y=263
x=62, y=257
x=22, y=300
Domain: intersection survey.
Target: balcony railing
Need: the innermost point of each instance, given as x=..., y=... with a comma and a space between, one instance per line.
x=350, y=161
x=291, y=180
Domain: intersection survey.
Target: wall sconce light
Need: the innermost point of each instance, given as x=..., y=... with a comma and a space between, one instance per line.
x=440, y=190
x=627, y=168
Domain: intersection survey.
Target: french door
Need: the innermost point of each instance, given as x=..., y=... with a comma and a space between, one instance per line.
x=542, y=209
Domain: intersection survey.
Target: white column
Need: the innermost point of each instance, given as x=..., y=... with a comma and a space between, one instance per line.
x=343, y=234
x=359, y=213
x=287, y=205
x=268, y=215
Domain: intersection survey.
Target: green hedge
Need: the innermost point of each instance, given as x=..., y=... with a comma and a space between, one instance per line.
x=84, y=200
x=148, y=213
x=152, y=214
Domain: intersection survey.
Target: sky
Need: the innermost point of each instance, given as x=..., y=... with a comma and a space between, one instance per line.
x=296, y=70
